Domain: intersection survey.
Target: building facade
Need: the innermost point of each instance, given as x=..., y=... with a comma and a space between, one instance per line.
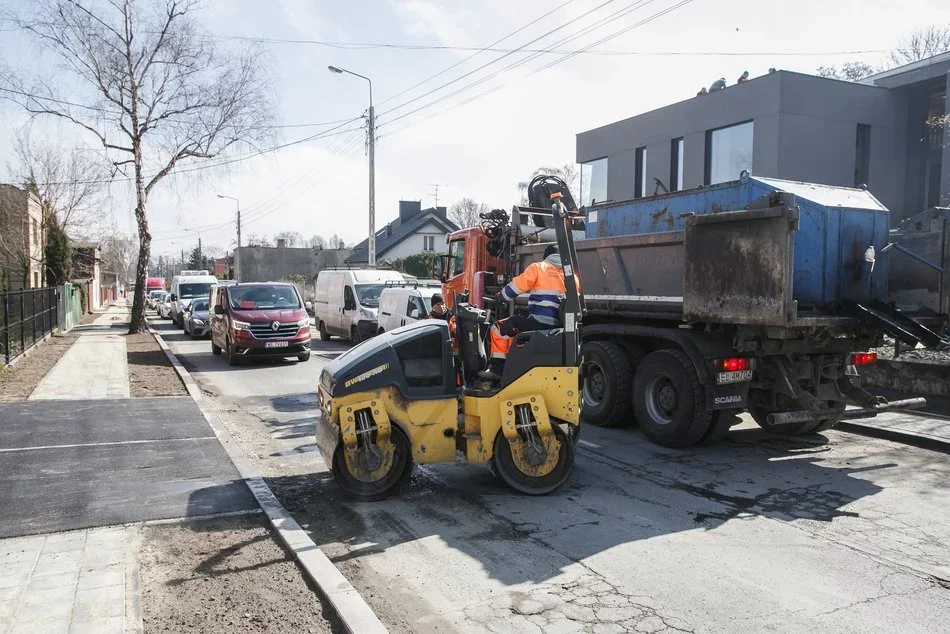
x=272, y=264
x=22, y=239
x=880, y=133
x=414, y=231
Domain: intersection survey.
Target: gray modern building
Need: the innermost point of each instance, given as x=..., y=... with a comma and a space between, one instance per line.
x=878, y=133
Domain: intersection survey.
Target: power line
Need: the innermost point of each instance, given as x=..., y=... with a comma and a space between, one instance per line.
x=470, y=57
x=616, y=15
x=534, y=71
x=494, y=61
x=491, y=48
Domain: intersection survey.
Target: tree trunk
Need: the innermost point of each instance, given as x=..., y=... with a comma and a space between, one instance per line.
x=137, y=322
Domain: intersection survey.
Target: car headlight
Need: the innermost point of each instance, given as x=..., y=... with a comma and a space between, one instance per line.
x=197, y=322
x=367, y=314
x=241, y=325
x=303, y=322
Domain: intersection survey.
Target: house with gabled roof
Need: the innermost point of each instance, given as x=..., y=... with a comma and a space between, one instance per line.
x=414, y=231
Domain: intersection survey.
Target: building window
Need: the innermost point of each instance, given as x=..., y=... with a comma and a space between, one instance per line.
x=728, y=152
x=36, y=279
x=640, y=177
x=594, y=182
x=428, y=243
x=35, y=231
x=862, y=155
x=676, y=164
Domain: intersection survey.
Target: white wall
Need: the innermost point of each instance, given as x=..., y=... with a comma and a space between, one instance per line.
x=414, y=243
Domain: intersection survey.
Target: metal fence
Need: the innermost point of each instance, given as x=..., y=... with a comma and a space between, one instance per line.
x=26, y=317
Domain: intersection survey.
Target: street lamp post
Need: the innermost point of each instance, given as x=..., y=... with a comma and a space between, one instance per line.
x=371, y=134
x=237, y=251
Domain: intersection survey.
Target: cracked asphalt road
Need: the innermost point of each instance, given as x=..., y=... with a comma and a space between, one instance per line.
x=755, y=533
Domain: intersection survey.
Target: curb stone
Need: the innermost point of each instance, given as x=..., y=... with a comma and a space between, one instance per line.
x=355, y=614
x=915, y=439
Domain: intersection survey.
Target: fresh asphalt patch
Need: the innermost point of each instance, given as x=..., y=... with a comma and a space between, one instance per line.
x=67, y=465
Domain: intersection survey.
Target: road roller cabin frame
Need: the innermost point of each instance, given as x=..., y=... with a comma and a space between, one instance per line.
x=402, y=398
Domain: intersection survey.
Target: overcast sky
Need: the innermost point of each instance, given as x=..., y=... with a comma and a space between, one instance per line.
x=479, y=149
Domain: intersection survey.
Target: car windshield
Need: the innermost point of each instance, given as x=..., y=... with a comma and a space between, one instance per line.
x=193, y=290
x=368, y=294
x=263, y=297
x=199, y=305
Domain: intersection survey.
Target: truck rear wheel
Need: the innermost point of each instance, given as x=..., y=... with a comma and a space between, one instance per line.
x=668, y=400
x=607, y=382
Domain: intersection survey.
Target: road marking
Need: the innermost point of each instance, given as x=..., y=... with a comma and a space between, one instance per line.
x=589, y=444
x=106, y=444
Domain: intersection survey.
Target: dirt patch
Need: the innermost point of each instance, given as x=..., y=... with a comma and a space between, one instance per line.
x=18, y=381
x=225, y=575
x=150, y=371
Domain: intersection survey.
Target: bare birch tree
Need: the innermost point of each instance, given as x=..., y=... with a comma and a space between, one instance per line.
x=465, y=212
x=921, y=44
x=68, y=182
x=152, y=89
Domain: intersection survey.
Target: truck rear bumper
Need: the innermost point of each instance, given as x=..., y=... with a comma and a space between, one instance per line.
x=804, y=416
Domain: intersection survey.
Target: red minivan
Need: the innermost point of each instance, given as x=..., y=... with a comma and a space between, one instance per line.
x=259, y=319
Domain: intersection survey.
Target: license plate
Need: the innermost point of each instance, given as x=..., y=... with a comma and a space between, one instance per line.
x=275, y=344
x=734, y=377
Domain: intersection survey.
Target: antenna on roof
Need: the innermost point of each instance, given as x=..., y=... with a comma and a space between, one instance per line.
x=435, y=192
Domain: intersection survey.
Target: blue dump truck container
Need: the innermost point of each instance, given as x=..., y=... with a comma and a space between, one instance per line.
x=832, y=247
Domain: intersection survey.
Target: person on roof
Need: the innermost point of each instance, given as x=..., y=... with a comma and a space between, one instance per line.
x=743, y=77
x=717, y=85
x=544, y=281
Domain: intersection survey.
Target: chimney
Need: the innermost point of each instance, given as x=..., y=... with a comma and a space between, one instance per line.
x=409, y=209
x=441, y=212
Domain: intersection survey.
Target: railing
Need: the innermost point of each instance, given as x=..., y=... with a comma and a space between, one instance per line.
x=26, y=317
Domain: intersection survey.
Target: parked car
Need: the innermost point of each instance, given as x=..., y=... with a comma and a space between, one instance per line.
x=401, y=305
x=151, y=300
x=187, y=286
x=163, y=305
x=259, y=319
x=197, y=318
x=347, y=300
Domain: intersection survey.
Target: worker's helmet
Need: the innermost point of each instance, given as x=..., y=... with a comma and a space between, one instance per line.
x=551, y=249
x=437, y=299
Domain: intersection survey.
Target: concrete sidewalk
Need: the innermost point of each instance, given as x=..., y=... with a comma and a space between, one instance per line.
x=68, y=582
x=96, y=366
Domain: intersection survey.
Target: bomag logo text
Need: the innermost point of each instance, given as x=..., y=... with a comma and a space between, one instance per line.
x=359, y=378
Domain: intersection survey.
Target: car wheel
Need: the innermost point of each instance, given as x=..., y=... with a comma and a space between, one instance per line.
x=232, y=358
x=303, y=357
x=324, y=335
x=355, y=335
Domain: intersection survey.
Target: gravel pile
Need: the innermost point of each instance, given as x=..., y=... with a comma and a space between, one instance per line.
x=920, y=354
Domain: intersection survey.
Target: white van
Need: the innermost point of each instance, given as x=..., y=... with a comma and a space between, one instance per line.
x=346, y=301
x=401, y=305
x=187, y=286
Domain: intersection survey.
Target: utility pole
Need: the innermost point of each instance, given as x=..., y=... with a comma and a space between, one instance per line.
x=371, y=134
x=237, y=251
x=371, y=245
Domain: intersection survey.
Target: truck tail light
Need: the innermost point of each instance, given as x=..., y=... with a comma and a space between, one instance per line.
x=864, y=358
x=733, y=365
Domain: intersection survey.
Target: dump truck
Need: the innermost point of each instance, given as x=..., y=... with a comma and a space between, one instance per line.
x=758, y=295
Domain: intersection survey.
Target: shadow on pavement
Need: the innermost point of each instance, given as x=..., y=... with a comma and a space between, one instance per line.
x=612, y=499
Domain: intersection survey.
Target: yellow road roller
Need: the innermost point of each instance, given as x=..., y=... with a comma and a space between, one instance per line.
x=405, y=397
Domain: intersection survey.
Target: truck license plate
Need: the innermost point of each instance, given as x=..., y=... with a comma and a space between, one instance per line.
x=733, y=377
x=281, y=344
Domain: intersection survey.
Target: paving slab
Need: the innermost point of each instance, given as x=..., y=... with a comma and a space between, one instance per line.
x=67, y=465
x=95, y=367
x=40, y=596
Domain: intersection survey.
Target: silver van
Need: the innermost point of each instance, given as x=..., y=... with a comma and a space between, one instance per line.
x=347, y=300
